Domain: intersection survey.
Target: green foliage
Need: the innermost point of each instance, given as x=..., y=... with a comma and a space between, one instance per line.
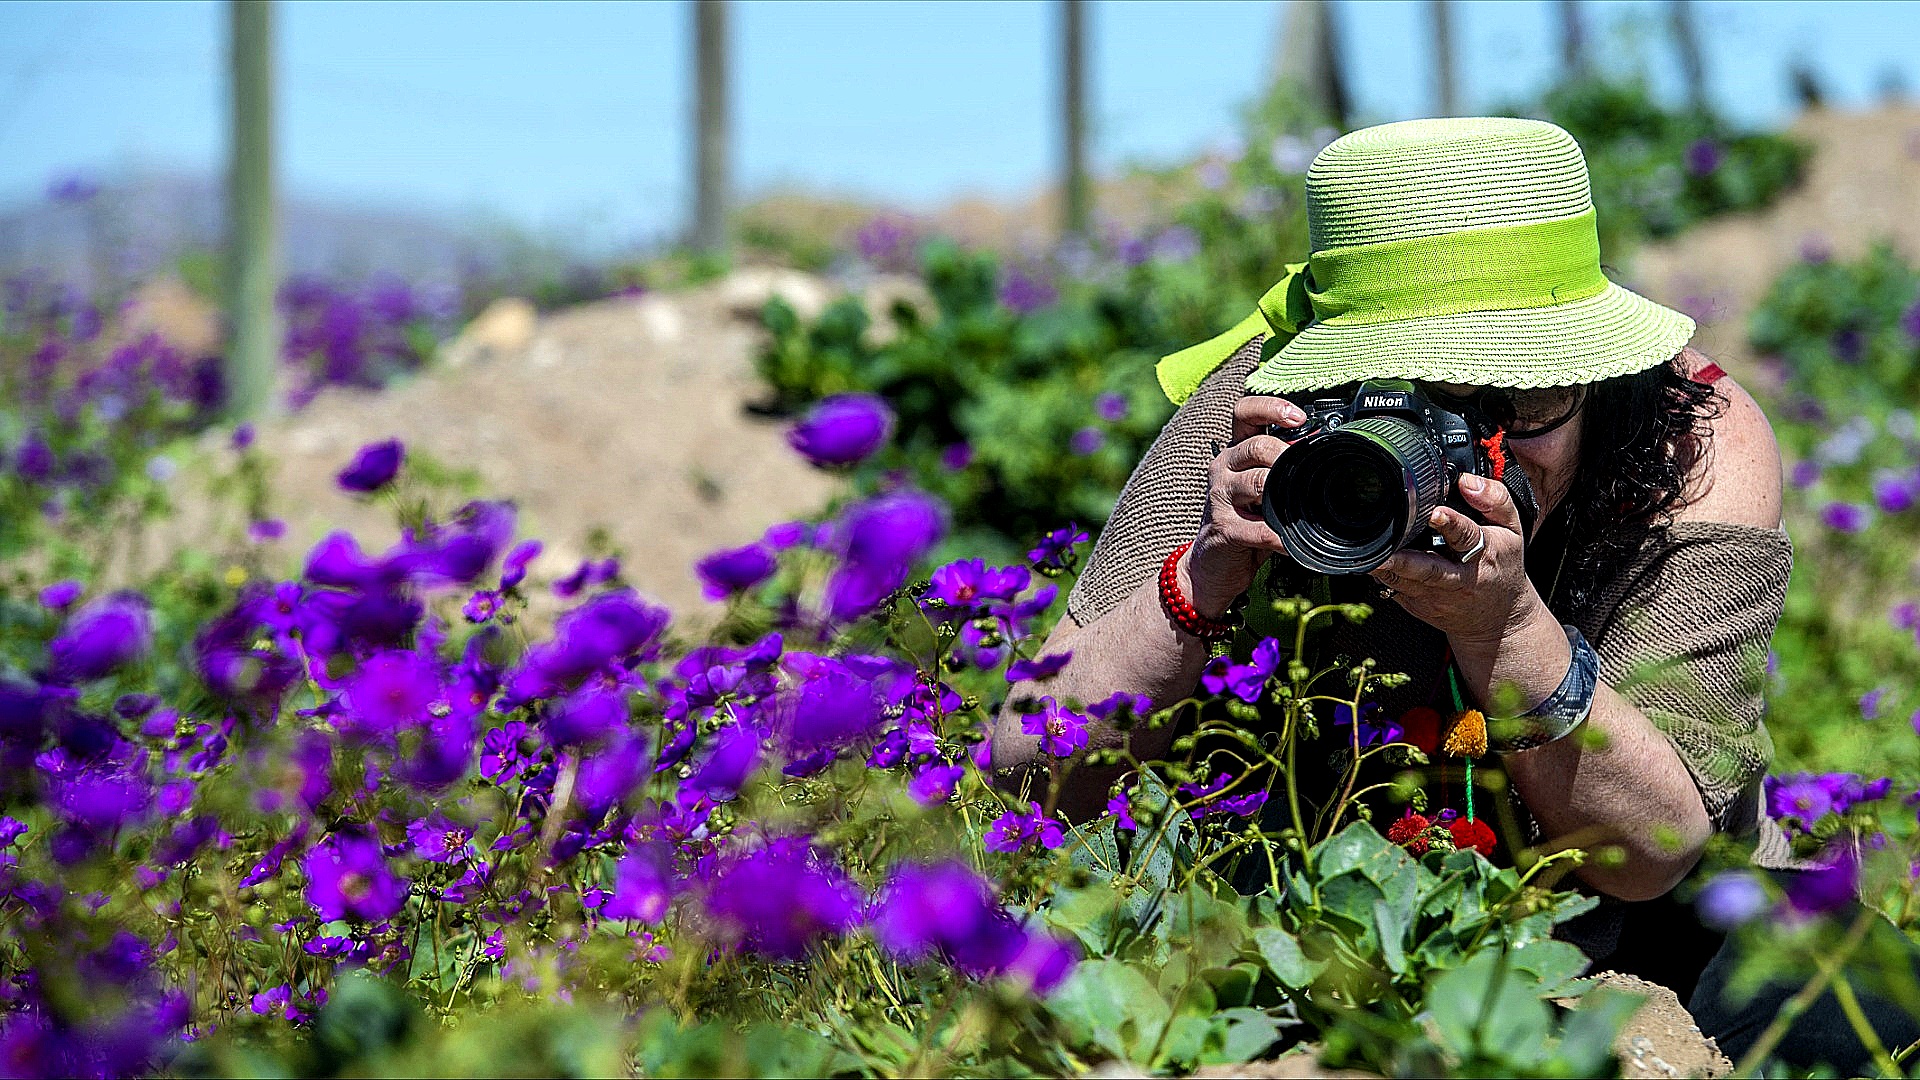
x=1846, y=339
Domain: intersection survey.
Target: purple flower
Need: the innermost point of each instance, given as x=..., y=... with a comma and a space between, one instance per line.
x=1062, y=731
x=828, y=711
x=587, y=717
x=642, y=884
x=34, y=459
x=481, y=606
x=348, y=878
x=1038, y=670
x=1373, y=732
x=1055, y=551
x=1024, y=292
x=106, y=634
x=941, y=907
x=969, y=584
x=956, y=457
x=1121, y=807
x=1845, y=517
x=1895, y=492
x=436, y=839
x=11, y=830
x=782, y=898
x=732, y=571
x=266, y=531
x=1824, y=889
x=844, y=429
x=588, y=574
x=1797, y=800
x=786, y=535
x=243, y=436
x=1018, y=829
x=608, y=629
x=61, y=594
x=1112, y=408
x=1910, y=321
x=513, y=569
x=1209, y=803
x=1870, y=703
x=1702, y=157
x=1731, y=899
x=391, y=691
x=731, y=758
x=878, y=542
x=373, y=467
x=1087, y=440
x=1246, y=681
x=1805, y=473
x=933, y=783
x=1905, y=615
x=1121, y=705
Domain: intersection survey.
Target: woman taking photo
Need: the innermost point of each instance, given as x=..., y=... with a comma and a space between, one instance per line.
x=1612, y=596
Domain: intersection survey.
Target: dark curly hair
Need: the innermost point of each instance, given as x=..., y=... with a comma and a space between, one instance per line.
x=1641, y=435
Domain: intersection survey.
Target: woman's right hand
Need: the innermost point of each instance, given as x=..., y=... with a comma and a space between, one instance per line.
x=1234, y=538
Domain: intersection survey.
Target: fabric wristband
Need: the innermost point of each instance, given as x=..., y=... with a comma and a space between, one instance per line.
x=1561, y=713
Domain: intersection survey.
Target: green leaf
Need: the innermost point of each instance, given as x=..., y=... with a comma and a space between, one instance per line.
x=1109, y=1005
x=1586, y=1040
x=1488, y=1009
x=1240, y=1034
x=1555, y=964
x=1281, y=952
x=1392, y=924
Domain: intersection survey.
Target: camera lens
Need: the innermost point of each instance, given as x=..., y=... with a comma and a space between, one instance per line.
x=1343, y=501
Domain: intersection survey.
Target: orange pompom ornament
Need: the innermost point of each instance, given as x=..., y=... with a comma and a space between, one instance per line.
x=1468, y=736
x=1472, y=833
x=1409, y=831
x=1421, y=726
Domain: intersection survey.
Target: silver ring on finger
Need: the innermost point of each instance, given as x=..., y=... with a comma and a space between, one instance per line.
x=1479, y=546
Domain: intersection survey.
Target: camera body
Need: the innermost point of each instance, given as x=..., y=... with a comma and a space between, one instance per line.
x=1361, y=476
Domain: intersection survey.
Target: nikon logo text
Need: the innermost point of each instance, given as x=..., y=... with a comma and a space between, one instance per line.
x=1382, y=401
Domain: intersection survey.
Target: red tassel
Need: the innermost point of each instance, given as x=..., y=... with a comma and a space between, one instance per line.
x=1496, y=447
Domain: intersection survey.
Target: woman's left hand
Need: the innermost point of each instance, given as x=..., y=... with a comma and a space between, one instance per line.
x=1476, y=602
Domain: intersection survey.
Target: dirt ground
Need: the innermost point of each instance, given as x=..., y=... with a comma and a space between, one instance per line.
x=623, y=417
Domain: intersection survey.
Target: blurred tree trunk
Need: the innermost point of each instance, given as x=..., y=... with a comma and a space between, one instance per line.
x=710, y=142
x=1573, y=39
x=1686, y=41
x=1073, y=103
x=253, y=243
x=1446, y=90
x=1309, y=58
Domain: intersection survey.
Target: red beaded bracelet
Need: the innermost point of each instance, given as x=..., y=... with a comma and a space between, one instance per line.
x=1182, y=611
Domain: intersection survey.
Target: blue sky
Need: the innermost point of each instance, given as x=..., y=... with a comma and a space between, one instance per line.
x=570, y=118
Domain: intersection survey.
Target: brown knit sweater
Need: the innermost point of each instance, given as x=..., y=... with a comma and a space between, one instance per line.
x=1681, y=627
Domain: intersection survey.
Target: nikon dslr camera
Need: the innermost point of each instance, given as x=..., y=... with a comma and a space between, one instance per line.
x=1360, y=478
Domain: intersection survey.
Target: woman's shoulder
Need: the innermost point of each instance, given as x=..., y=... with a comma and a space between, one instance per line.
x=1737, y=480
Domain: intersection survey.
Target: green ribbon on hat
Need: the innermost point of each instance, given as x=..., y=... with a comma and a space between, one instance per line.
x=1534, y=265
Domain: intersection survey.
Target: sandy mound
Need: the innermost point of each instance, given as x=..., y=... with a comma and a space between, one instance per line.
x=1863, y=185
x=622, y=420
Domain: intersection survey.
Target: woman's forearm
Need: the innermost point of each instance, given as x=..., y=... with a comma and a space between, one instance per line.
x=1133, y=649
x=1617, y=782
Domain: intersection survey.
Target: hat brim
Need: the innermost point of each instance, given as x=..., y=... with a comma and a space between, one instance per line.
x=1614, y=332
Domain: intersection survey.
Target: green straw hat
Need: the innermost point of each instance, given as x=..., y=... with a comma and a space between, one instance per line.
x=1458, y=250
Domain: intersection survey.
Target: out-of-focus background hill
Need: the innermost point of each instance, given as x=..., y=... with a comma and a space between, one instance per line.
x=1862, y=187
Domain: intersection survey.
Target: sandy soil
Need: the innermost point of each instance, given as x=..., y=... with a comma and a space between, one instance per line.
x=623, y=418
